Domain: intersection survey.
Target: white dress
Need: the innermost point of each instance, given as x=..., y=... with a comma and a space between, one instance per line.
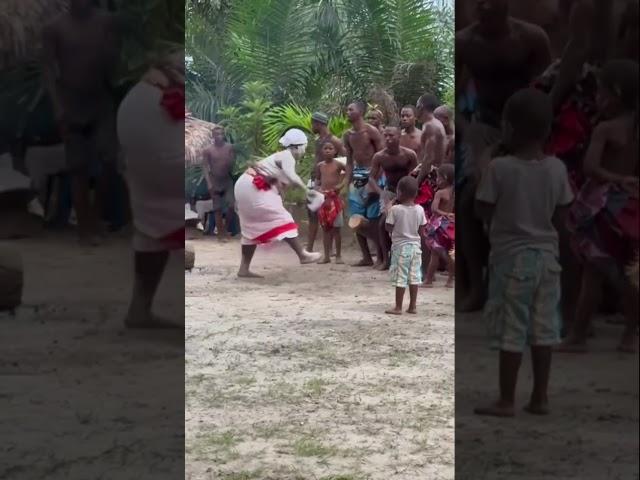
x=263, y=217
x=153, y=146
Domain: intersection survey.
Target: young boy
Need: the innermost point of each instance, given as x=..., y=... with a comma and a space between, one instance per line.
x=329, y=176
x=406, y=222
x=521, y=196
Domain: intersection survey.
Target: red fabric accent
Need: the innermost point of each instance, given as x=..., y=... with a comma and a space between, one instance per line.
x=260, y=183
x=173, y=101
x=571, y=128
x=273, y=233
x=331, y=208
x=425, y=193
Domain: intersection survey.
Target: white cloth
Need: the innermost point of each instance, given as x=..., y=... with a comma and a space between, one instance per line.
x=153, y=145
x=281, y=166
x=293, y=137
x=406, y=223
x=262, y=213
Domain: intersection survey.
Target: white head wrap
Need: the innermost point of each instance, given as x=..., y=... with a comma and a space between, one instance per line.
x=293, y=137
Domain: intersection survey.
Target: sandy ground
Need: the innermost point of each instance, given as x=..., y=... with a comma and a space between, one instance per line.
x=81, y=397
x=301, y=376
x=591, y=434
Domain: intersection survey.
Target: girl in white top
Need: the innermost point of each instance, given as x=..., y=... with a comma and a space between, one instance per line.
x=263, y=217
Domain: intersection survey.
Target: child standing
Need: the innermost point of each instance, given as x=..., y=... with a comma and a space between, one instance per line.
x=521, y=196
x=406, y=222
x=440, y=231
x=329, y=176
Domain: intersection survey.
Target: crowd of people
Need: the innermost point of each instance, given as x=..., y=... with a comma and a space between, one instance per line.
x=548, y=187
x=382, y=171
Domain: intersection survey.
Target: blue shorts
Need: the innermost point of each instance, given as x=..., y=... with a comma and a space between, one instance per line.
x=524, y=301
x=406, y=265
x=359, y=203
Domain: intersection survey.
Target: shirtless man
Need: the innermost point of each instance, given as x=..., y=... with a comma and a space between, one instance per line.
x=433, y=136
x=445, y=115
x=395, y=162
x=500, y=55
x=219, y=159
x=320, y=127
x=411, y=135
x=362, y=142
x=81, y=49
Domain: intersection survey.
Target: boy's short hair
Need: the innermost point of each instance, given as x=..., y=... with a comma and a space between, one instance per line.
x=408, y=186
x=410, y=107
x=362, y=106
x=529, y=112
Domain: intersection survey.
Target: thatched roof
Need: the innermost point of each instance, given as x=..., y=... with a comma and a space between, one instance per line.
x=21, y=23
x=197, y=136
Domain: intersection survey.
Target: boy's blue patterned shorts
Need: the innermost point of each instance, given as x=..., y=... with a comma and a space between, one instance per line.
x=524, y=301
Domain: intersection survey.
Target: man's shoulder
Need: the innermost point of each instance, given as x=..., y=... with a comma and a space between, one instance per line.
x=528, y=30
x=407, y=152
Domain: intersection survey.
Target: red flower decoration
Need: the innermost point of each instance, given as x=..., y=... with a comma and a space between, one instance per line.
x=260, y=183
x=173, y=102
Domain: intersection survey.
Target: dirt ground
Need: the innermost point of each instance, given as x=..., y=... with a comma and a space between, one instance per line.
x=301, y=376
x=591, y=434
x=66, y=347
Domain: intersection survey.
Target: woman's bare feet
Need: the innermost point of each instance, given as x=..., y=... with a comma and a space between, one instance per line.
x=248, y=274
x=498, y=409
x=310, y=257
x=394, y=311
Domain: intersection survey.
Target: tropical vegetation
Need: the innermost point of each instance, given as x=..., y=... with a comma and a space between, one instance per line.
x=262, y=67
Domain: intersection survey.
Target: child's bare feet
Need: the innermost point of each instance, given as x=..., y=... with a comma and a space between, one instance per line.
x=412, y=310
x=339, y=261
x=324, y=261
x=498, y=409
x=394, y=311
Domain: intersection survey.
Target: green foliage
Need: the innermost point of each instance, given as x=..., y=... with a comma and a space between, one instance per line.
x=244, y=123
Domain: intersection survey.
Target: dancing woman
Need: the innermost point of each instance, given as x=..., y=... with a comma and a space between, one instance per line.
x=263, y=217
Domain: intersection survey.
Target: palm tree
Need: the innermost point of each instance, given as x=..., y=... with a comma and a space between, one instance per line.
x=316, y=52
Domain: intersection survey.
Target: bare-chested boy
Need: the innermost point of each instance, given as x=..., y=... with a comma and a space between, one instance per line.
x=81, y=50
x=320, y=127
x=445, y=115
x=604, y=219
x=411, y=135
x=362, y=142
x=329, y=176
x=395, y=162
x=219, y=160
